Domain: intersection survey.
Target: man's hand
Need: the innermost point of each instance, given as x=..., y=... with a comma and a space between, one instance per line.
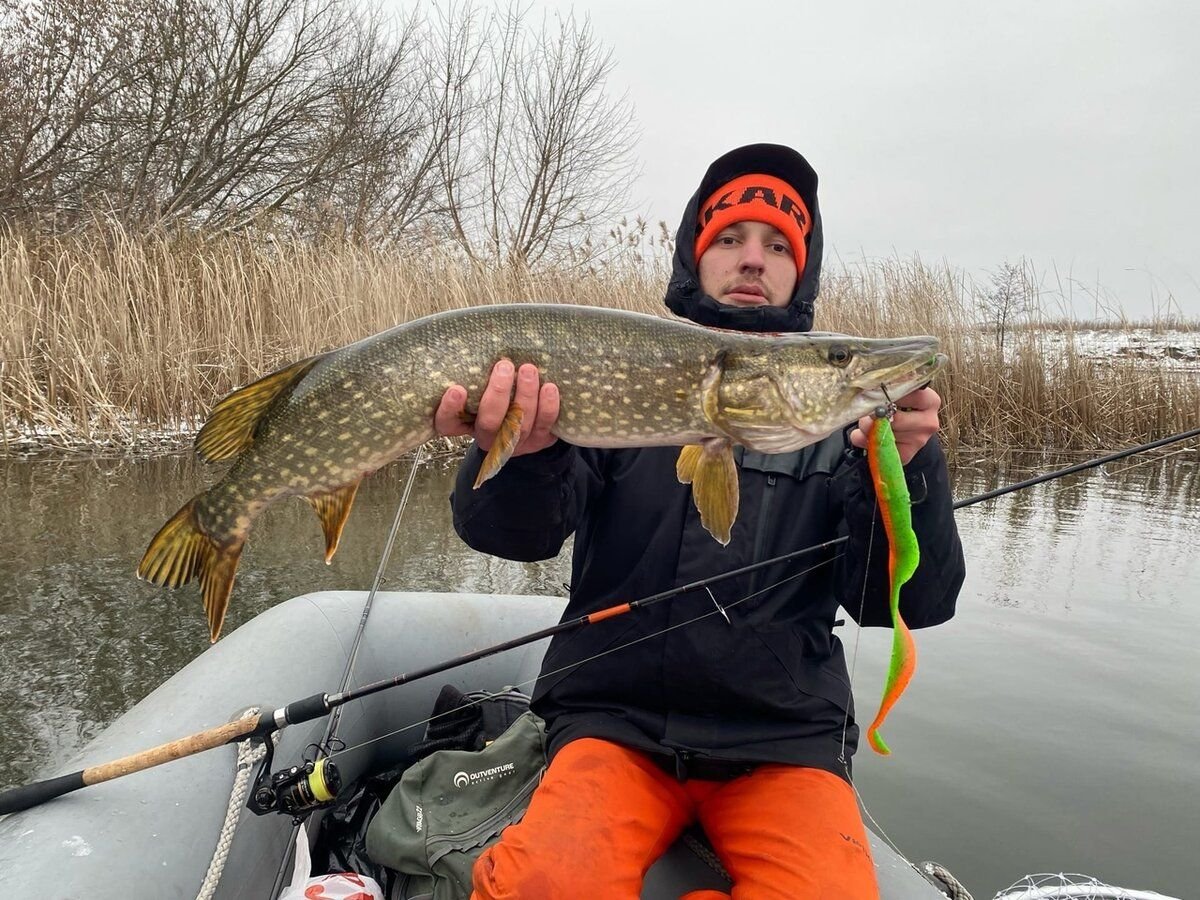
x=539, y=402
x=915, y=422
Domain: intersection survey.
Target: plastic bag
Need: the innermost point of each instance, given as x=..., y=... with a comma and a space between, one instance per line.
x=340, y=886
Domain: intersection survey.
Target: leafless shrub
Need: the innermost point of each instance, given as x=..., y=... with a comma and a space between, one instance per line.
x=311, y=117
x=548, y=155
x=1010, y=297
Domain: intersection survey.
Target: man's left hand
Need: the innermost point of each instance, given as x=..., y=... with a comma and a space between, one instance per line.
x=915, y=422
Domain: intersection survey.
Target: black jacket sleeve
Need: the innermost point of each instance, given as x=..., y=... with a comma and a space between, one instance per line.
x=929, y=597
x=531, y=506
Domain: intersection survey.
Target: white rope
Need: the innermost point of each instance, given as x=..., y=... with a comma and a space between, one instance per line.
x=248, y=756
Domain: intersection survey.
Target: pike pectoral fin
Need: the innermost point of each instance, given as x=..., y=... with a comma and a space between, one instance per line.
x=181, y=551
x=230, y=426
x=710, y=470
x=507, y=438
x=333, y=508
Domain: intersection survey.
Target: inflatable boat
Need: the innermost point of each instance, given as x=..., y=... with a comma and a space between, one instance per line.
x=180, y=830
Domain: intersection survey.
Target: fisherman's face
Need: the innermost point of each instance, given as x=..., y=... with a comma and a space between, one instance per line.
x=749, y=264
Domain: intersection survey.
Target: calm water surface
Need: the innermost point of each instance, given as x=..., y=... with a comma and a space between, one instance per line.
x=1051, y=726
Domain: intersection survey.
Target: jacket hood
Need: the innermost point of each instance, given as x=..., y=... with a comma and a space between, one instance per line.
x=684, y=296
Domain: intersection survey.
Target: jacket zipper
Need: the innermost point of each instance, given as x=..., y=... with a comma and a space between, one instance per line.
x=760, y=534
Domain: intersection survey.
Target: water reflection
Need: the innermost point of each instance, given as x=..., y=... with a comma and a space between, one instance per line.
x=84, y=639
x=1063, y=696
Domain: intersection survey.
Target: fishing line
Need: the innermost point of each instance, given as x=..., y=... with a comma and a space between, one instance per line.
x=862, y=802
x=719, y=610
x=862, y=605
x=827, y=545
x=309, y=708
x=1131, y=467
x=1078, y=467
x=389, y=544
x=324, y=748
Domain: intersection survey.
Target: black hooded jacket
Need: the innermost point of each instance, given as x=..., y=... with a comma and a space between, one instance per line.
x=765, y=680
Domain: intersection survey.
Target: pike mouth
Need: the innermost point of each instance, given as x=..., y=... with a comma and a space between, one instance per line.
x=903, y=378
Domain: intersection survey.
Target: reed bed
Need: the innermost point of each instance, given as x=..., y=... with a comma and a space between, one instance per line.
x=120, y=340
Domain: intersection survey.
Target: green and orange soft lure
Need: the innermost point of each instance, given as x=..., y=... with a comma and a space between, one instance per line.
x=895, y=505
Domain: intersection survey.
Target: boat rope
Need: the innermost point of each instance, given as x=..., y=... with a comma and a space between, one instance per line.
x=943, y=879
x=322, y=704
x=1072, y=886
x=705, y=853
x=249, y=755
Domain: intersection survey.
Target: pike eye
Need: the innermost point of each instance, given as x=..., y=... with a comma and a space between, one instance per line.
x=840, y=355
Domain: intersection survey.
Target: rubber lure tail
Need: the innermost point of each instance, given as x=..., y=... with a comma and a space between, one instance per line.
x=895, y=505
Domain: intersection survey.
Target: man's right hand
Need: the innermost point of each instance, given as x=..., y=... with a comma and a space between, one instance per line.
x=538, y=401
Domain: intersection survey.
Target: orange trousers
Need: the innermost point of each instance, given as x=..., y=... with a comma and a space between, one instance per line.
x=604, y=813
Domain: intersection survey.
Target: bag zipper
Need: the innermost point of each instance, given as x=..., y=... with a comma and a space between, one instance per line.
x=439, y=846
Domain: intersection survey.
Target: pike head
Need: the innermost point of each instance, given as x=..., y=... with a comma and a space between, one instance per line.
x=806, y=386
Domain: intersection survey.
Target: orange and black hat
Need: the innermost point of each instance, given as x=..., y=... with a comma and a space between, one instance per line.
x=756, y=197
x=684, y=296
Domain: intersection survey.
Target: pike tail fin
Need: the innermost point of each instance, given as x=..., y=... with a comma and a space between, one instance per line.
x=710, y=470
x=181, y=551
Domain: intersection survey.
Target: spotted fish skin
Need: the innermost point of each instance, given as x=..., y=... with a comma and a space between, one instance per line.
x=316, y=428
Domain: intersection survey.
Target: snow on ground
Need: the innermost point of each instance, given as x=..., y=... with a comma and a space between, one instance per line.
x=1169, y=349
x=1173, y=349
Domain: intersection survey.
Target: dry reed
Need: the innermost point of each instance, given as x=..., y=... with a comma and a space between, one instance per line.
x=113, y=339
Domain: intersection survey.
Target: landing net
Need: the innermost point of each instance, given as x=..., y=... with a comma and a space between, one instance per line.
x=1063, y=886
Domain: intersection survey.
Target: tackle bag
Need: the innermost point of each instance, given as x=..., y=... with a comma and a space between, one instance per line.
x=449, y=806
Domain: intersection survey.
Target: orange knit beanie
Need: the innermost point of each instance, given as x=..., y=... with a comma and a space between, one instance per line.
x=758, y=198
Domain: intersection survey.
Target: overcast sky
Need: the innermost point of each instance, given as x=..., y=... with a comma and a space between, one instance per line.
x=1064, y=132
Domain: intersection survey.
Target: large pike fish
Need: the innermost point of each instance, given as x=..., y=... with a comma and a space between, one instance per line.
x=318, y=427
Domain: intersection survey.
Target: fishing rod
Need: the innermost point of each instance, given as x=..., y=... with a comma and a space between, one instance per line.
x=301, y=788
x=1079, y=467
x=295, y=791
x=321, y=767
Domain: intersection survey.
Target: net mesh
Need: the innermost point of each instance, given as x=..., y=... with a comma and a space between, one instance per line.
x=1064, y=886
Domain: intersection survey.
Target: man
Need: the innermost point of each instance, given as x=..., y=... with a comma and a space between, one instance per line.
x=741, y=720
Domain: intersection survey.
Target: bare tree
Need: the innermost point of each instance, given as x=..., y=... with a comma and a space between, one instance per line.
x=550, y=153
x=208, y=111
x=316, y=116
x=290, y=89
x=1011, y=296
x=404, y=183
x=64, y=67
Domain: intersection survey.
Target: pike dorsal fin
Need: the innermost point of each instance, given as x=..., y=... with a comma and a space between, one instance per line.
x=333, y=507
x=230, y=426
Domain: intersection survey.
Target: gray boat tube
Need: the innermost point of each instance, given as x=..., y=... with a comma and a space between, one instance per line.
x=154, y=833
